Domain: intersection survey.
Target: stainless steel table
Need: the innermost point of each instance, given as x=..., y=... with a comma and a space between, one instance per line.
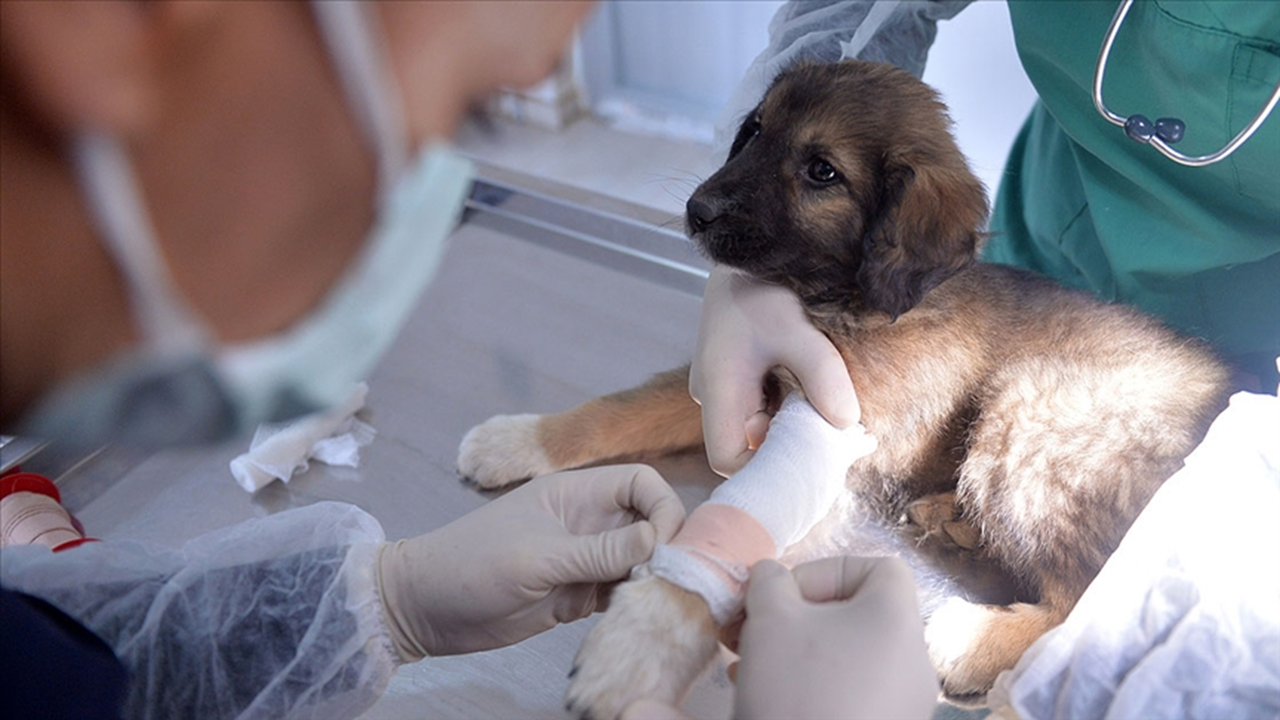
x=547, y=298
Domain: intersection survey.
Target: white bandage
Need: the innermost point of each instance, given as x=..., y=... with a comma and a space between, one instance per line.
x=771, y=503
x=798, y=472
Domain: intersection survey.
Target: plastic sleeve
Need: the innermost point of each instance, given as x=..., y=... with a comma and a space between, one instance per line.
x=271, y=618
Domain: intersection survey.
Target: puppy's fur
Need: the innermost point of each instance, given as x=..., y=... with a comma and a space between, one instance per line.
x=1018, y=422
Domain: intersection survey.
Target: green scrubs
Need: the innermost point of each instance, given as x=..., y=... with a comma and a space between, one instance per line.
x=1080, y=201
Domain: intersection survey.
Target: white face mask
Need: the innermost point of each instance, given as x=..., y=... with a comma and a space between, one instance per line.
x=181, y=386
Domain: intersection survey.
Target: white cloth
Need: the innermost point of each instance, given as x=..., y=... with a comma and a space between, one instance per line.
x=333, y=437
x=1184, y=619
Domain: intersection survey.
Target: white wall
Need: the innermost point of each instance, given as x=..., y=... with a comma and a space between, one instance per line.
x=668, y=67
x=974, y=65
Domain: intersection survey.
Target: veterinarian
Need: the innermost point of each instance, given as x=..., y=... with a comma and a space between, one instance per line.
x=189, y=248
x=1081, y=202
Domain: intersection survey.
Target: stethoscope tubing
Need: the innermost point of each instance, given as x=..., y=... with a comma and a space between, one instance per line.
x=1155, y=141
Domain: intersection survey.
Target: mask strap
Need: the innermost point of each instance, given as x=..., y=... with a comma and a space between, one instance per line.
x=167, y=322
x=358, y=49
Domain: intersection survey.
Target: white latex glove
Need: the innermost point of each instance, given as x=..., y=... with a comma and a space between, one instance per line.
x=747, y=328
x=533, y=558
x=835, y=638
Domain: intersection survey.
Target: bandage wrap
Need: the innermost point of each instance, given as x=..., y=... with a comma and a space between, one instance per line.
x=775, y=500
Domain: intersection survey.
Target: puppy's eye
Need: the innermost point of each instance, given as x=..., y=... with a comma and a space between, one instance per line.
x=822, y=173
x=750, y=128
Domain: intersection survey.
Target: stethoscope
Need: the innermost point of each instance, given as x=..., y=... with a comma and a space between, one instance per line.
x=1164, y=132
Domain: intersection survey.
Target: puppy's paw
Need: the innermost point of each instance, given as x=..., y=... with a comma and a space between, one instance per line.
x=971, y=644
x=653, y=642
x=953, y=635
x=502, y=450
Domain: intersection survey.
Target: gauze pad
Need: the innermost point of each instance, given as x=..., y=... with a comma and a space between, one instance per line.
x=775, y=500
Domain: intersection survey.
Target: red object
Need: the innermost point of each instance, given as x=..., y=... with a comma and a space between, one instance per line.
x=16, y=481
x=28, y=482
x=75, y=543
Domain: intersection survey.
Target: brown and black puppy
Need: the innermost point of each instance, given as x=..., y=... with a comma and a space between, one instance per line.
x=1025, y=423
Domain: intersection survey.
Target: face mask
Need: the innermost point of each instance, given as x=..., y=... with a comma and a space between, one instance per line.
x=181, y=386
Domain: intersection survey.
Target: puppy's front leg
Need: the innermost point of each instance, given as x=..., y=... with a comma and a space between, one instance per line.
x=656, y=418
x=654, y=642
x=659, y=634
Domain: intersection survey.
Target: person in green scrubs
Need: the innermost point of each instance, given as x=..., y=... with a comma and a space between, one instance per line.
x=1083, y=203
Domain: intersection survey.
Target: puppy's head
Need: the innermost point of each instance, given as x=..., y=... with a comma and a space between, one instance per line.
x=846, y=186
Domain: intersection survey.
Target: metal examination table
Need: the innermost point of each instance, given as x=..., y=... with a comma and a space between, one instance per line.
x=548, y=297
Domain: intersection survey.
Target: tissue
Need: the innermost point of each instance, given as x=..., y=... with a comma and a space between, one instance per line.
x=333, y=437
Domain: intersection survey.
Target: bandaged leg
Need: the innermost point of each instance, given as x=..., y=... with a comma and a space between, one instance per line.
x=775, y=500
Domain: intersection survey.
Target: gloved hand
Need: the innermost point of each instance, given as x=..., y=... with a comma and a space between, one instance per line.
x=747, y=328
x=835, y=638
x=533, y=558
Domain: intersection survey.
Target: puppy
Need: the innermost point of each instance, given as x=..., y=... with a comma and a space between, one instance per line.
x=1019, y=423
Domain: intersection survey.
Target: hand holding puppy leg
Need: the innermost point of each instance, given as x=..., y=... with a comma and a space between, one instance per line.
x=525, y=562
x=748, y=328
x=835, y=638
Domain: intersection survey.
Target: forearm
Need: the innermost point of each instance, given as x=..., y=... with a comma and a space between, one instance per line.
x=218, y=630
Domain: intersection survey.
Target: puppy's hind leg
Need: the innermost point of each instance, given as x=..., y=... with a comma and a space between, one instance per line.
x=656, y=418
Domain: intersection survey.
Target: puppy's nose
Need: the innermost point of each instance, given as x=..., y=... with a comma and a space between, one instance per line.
x=700, y=214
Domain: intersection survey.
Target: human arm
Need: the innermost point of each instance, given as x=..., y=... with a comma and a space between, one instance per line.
x=538, y=556
x=286, y=614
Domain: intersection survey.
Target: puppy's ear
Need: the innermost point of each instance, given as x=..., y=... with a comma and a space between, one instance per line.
x=927, y=229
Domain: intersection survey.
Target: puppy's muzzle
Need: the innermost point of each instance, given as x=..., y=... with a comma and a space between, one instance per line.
x=700, y=215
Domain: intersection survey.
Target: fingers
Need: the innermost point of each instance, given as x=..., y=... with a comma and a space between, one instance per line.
x=725, y=419
x=757, y=427
x=598, y=499
x=647, y=493
x=824, y=377
x=605, y=557
x=840, y=578
x=837, y=578
x=770, y=587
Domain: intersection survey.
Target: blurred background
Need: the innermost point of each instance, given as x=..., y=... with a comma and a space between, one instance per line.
x=632, y=112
